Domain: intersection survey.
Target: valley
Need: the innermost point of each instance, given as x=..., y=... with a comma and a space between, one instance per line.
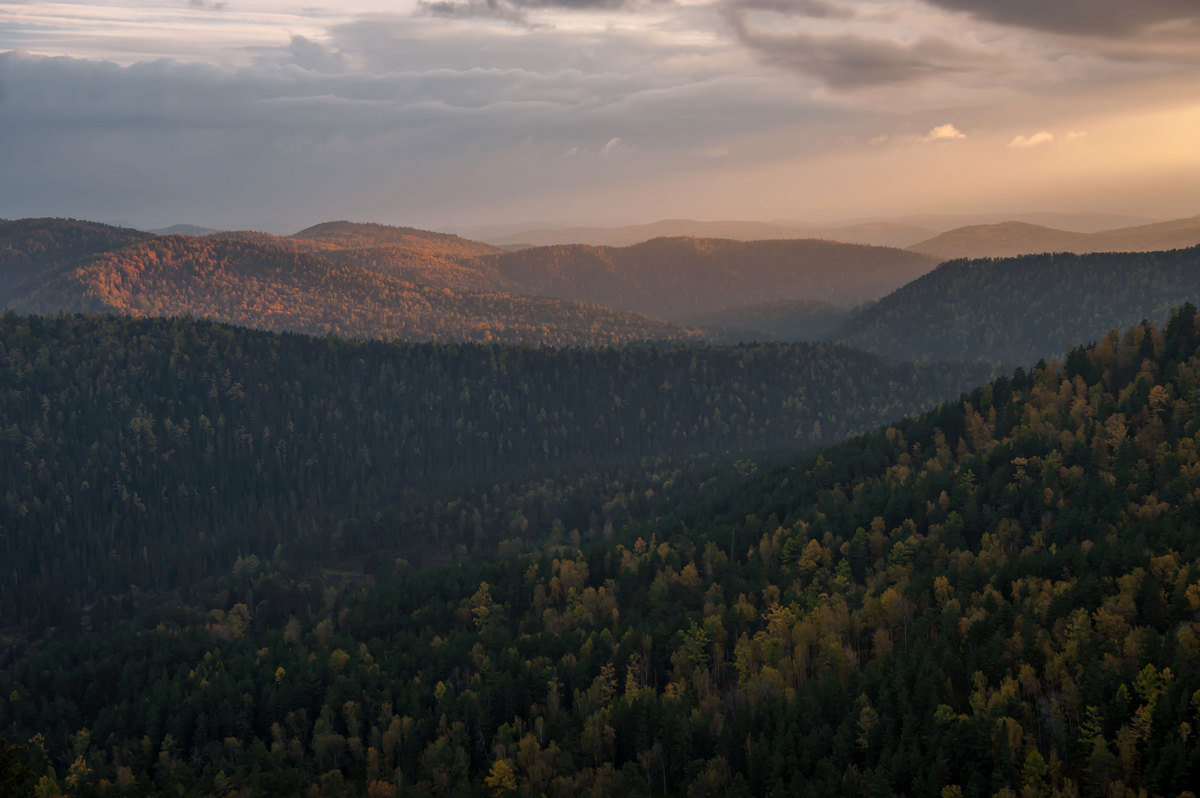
x=371, y=510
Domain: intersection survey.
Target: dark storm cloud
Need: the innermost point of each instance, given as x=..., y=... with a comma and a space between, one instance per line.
x=1110, y=18
x=849, y=60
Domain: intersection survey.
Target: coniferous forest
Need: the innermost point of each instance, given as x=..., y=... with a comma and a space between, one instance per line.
x=999, y=594
x=1013, y=311
x=152, y=453
x=244, y=562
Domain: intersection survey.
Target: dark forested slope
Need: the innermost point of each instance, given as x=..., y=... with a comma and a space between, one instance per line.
x=782, y=320
x=153, y=452
x=1017, y=310
x=999, y=597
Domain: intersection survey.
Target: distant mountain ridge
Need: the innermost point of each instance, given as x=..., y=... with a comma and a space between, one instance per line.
x=373, y=281
x=884, y=234
x=184, y=230
x=895, y=232
x=638, y=233
x=355, y=235
x=674, y=278
x=1009, y=239
x=1073, y=222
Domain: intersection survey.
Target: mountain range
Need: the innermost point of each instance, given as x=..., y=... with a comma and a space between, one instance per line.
x=375, y=281
x=885, y=234
x=378, y=281
x=1018, y=238
x=942, y=236
x=296, y=285
x=677, y=277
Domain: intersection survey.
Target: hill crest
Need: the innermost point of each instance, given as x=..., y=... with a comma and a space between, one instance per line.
x=1013, y=238
x=345, y=234
x=678, y=277
x=257, y=282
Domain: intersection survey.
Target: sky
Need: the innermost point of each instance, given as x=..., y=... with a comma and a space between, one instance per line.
x=447, y=114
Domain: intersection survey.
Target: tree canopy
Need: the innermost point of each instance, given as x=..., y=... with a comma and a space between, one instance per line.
x=999, y=596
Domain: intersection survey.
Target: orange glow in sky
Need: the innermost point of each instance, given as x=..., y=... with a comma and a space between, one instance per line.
x=457, y=112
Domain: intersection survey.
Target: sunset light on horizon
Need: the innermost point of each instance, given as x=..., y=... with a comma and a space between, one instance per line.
x=458, y=113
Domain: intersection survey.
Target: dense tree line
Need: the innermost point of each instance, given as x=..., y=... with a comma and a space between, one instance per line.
x=998, y=597
x=1015, y=311
x=154, y=452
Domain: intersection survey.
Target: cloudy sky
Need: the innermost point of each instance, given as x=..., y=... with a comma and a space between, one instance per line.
x=450, y=113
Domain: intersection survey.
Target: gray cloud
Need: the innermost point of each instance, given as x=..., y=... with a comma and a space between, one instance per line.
x=399, y=119
x=420, y=120
x=513, y=11
x=307, y=54
x=849, y=60
x=575, y=4
x=798, y=8
x=1111, y=18
x=466, y=9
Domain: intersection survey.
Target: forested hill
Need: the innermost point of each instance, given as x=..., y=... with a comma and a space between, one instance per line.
x=432, y=260
x=353, y=235
x=674, y=278
x=1007, y=239
x=1017, y=310
x=34, y=250
x=378, y=281
x=998, y=597
x=154, y=452
x=253, y=282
